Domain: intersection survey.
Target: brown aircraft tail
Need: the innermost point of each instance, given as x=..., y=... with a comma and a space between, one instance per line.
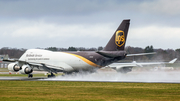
x=118, y=40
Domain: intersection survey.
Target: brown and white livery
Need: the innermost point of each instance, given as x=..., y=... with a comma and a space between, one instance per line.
x=69, y=62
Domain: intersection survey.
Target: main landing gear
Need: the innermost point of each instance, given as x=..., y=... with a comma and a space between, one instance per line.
x=52, y=75
x=30, y=75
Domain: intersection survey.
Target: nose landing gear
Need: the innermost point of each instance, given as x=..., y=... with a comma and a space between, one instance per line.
x=30, y=75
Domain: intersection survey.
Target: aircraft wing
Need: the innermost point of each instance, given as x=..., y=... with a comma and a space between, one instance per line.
x=10, y=60
x=43, y=66
x=127, y=67
x=50, y=68
x=134, y=63
x=46, y=67
x=158, y=63
x=172, y=61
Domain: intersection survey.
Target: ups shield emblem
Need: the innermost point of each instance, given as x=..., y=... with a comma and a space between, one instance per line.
x=120, y=38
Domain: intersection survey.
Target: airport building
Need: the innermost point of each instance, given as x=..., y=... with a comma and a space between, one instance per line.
x=2, y=63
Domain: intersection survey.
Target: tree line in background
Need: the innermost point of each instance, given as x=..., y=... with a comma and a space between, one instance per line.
x=160, y=55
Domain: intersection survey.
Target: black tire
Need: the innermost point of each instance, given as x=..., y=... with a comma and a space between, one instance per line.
x=30, y=75
x=51, y=76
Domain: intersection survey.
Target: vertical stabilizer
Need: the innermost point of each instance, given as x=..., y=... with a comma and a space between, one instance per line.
x=118, y=40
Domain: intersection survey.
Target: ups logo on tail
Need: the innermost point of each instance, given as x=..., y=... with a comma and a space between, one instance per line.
x=120, y=38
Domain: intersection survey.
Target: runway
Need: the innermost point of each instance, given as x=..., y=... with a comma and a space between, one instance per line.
x=139, y=77
x=21, y=78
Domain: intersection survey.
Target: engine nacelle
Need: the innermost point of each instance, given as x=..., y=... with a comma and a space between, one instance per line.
x=13, y=67
x=26, y=69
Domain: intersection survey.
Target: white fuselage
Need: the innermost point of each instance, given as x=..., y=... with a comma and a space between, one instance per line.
x=57, y=60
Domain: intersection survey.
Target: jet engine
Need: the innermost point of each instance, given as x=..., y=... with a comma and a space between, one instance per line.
x=13, y=67
x=26, y=69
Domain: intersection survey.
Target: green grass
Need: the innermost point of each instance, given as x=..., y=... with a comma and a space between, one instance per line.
x=63, y=90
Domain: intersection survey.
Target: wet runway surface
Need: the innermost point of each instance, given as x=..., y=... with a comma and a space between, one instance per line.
x=144, y=77
x=21, y=78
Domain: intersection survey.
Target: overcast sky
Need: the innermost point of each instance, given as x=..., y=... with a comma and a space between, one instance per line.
x=88, y=23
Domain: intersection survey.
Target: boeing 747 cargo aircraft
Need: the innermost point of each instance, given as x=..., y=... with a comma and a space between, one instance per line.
x=69, y=62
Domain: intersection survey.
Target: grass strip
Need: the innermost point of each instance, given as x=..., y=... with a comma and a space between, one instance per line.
x=64, y=90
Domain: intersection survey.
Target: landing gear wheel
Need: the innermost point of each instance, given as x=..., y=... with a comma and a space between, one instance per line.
x=30, y=75
x=52, y=75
